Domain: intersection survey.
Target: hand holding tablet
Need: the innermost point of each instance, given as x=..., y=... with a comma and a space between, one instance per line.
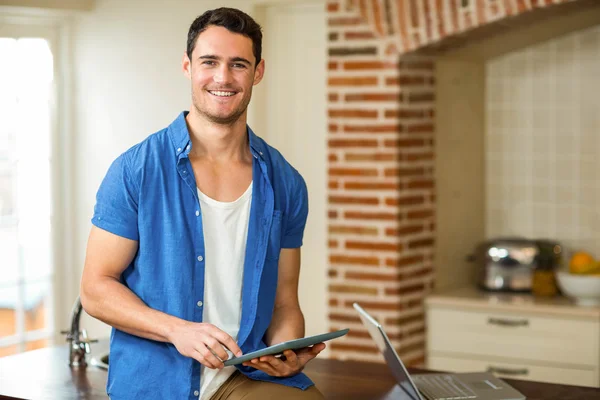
x=289, y=345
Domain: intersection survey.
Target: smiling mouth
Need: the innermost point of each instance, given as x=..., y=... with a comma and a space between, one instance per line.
x=221, y=93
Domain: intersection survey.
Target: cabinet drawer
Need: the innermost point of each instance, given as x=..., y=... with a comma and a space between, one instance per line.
x=514, y=370
x=567, y=342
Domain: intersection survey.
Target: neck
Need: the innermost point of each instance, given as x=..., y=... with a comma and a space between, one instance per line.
x=219, y=142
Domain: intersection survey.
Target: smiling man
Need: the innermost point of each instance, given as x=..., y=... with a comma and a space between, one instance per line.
x=195, y=250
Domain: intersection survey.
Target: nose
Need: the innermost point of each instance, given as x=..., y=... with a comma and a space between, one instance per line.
x=222, y=74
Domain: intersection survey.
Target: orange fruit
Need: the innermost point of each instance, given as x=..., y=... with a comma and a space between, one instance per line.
x=582, y=263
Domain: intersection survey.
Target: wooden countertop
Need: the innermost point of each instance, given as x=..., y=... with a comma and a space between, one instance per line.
x=45, y=375
x=476, y=299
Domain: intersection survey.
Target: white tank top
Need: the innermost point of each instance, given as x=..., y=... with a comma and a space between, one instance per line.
x=225, y=227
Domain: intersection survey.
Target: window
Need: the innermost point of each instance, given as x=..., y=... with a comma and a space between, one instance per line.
x=27, y=118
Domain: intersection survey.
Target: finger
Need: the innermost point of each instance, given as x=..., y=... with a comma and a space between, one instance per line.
x=217, y=348
x=291, y=358
x=196, y=355
x=227, y=341
x=209, y=357
x=266, y=367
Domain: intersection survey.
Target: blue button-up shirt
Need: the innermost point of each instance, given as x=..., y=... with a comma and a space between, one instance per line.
x=149, y=195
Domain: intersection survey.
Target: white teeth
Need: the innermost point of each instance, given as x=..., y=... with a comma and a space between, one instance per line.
x=223, y=94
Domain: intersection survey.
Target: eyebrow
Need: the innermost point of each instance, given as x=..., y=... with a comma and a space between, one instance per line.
x=233, y=59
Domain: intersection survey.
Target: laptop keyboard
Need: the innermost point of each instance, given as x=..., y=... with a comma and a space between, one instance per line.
x=443, y=387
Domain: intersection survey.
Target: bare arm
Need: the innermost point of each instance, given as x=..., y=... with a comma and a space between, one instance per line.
x=287, y=322
x=104, y=297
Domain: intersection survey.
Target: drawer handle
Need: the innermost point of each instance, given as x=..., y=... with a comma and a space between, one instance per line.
x=508, y=371
x=508, y=322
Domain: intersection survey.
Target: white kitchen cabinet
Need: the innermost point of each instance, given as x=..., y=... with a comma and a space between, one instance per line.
x=514, y=336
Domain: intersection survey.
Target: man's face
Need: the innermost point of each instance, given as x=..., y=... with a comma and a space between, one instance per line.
x=222, y=70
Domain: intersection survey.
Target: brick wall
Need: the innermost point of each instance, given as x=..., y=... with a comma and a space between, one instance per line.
x=381, y=131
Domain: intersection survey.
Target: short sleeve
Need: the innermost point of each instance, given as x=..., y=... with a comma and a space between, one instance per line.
x=116, y=208
x=296, y=217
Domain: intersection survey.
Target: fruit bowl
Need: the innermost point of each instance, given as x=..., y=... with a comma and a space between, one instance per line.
x=584, y=289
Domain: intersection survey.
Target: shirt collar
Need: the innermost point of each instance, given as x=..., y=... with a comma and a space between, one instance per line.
x=180, y=138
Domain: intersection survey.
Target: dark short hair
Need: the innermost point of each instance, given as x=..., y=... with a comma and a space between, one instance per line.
x=233, y=20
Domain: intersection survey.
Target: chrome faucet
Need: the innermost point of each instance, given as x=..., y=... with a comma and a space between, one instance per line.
x=79, y=343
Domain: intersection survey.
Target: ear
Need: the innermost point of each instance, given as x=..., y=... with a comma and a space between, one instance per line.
x=259, y=71
x=186, y=65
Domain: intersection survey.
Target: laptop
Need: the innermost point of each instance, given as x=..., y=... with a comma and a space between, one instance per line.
x=449, y=386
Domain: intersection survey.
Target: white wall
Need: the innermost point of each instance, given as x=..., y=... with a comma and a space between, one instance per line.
x=542, y=142
x=128, y=84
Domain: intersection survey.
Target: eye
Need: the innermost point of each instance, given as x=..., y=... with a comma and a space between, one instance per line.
x=208, y=62
x=238, y=65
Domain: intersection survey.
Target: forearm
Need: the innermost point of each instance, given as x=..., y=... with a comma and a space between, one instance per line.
x=287, y=324
x=111, y=302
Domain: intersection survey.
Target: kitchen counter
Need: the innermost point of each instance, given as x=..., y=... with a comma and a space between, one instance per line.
x=45, y=375
x=473, y=298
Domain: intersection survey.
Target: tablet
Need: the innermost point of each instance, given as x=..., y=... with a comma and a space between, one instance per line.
x=289, y=345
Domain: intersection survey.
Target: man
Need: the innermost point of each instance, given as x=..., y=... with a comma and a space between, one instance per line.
x=195, y=248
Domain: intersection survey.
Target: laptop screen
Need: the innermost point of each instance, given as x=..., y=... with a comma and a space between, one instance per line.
x=391, y=358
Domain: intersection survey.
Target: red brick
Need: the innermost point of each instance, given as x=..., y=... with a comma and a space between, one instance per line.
x=358, y=143
x=353, y=81
x=404, y=261
x=333, y=97
x=343, y=318
x=405, y=201
x=332, y=214
x=332, y=244
x=419, y=156
x=405, y=80
x=357, y=230
x=419, y=214
x=420, y=128
x=352, y=113
x=353, y=35
x=332, y=65
x=371, y=157
x=363, y=245
x=333, y=302
x=354, y=260
x=333, y=7
x=372, y=186
x=332, y=273
x=345, y=21
x=362, y=276
x=333, y=36
x=416, y=288
x=372, y=128
x=362, y=65
x=420, y=184
x=333, y=128
x=404, y=142
x=394, y=97
x=354, y=289
x=332, y=157
x=352, y=172
x=353, y=200
x=333, y=185
x=418, y=243
x=401, y=172
x=362, y=215
x=404, y=113
x=405, y=230
x=378, y=305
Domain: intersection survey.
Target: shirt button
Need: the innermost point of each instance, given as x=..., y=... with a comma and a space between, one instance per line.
x=200, y=258
x=199, y=304
x=178, y=149
x=196, y=393
x=197, y=213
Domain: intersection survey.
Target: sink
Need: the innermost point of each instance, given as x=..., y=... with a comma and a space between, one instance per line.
x=100, y=361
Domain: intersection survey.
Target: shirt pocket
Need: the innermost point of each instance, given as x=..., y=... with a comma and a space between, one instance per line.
x=274, y=242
